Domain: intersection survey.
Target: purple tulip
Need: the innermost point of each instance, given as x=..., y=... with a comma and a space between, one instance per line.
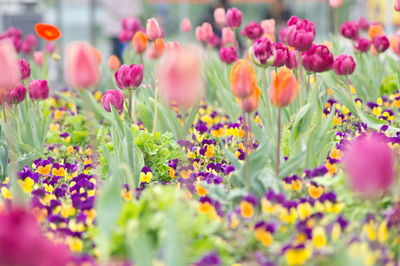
x=344, y=65
x=18, y=93
x=317, y=59
x=228, y=55
x=253, y=31
x=39, y=90
x=24, y=68
x=281, y=54
x=234, y=18
x=291, y=61
x=381, y=43
x=115, y=98
x=262, y=52
x=129, y=77
x=362, y=45
x=369, y=163
x=350, y=30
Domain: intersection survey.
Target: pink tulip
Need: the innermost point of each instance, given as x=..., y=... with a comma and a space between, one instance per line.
x=380, y=43
x=129, y=77
x=317, y=59
x=350, y=30
x=170, y=46
x=115, y=98
x=369, y=163
x=180, y=75
x=24, y=68
x=291, y=61
x=153, y=29
x=234, y=18
x=186, y=25
x=228, y=36
x=200, y=35
x=38, y=58
x=29, y=44
x=82, y=66
x=253, y=31
x=335, y=3
x=18, y=93
x=269, y=26
x=219, y=16
x=228, y=55
x=207, y=30
x=9, y=67
x=281, y=54
x=131, y=24
x=397, y=5
x=39, y=90
x=262, y=52
x=344, y=65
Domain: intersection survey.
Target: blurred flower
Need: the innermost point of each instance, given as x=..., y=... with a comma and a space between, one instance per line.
x=180, y=74
x=317, y=59
x=39, y=90
x=397, y=5
x=9, y=67
x=243, y=78
x=262, y=52
x=228, y=36
x=234, y=18
x=18, y=93
x=291, y=61
x=362, y=45
x=129, y=77
x=250, y=104
x=81, y=65
x=268, y=26
x=381, y=43
x=395, y=44
x=24, y=68
x=207, y=31
x=186, y=25
x=131, y=24
x=370, y=165
x=349, y=30
x=375, y=30
x=281, y=54
x=363, y=23
x=156, y=49
x=200, y=34
x=153, y=29
x=172, y=46
x=284, y=87
x=29, y=44
x=38, y=57
x=47, y=31
x=344, y=65
x=214, y=41
x=115, y=98
x=139, y=42
x=114, y=62
x=247, y=206
x=253, y=31
x=50, y=47
x=210, y=259
x=335, y=3
x=219, y=16
x=228, y=54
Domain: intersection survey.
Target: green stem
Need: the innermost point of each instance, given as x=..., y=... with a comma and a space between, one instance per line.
x=130, y=104
x=246, y=151
x=278, y=144
x=4, y=113
x=155, y=109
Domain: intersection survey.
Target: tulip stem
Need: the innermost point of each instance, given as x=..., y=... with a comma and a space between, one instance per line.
x=44, y=65
x=246, y=151
x=4, y=113
x=130, y=106
x=278, y=144
x=155, y=109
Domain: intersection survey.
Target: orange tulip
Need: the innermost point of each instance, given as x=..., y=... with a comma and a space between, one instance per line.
x=375, y=30
x=284, y=88
x=157, y=49
x=47, y=31
x=250, y=103
x=113, y=62
x=9, y=67
x=243, y=79
x=139, y=42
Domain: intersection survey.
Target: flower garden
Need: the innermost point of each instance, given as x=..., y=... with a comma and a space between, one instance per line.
x=208, y=152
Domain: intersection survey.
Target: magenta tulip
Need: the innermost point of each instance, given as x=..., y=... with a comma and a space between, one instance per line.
x=253, y=31
x=317, y=59
x=228, y=55
x=234, y=18
x=350, y=30
x=115, y=98
x=344, y=65
x=381, y=43
x=281, y=54
x=291, y=61
x=262, y=52
x=362, y=45
x=18, y=93
x=129, y=77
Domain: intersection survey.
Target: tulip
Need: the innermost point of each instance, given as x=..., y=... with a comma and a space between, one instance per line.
x=335, y=3
x=131, y=24
x=375, y=30
x=228, y=36
x=186, y=25
x=180, y=75
x=129, y=77
x=153, y=29
x=38, y=58
x=200, y=34
x=268, y=26
x=18, y=93
x=234, y=18
x=82, y=66
x=24, y=69
x=302, y=24
x=219, y=16
x=228, y=55
x=39, y=90
x=350, y=30
x=397, y=5
x=113, y=62
x=243, y=79
x=207, y=31
x=395, y=44
x=291, y=61
x=169, y=46
x=362, y=45
x=344, y=65
x=115, y=98
x=300, y=39
x=281, y=54
x=156, y=49
x=253, y=31
x=125, y=36
x=250, y=104
x=214, y=41
x=370, y=165
x=50, y=47
x=262, y=52
x=139, y=42
x=9, y=67
x=363, y=23
x=381, y=43
x=284, y=88
x=29, y=44
x=283, y=35
x=317, y=59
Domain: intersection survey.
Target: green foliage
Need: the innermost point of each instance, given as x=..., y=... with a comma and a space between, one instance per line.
x=76, y=126
x=389, y=85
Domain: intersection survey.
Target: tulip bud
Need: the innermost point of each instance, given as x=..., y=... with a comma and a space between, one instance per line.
x=397, y=5
x=281, y=54
x=207, y=30
x=24, y=68
x=228, y=54
x=200, y=34
x=370, y=165
x=139, y=42
x=129, y=77
x=381, y=43
x=39, y=90
x=243, y=79
x=113, y=62
x=284, y=88
x=362, y=45
x=253, y=31
x=262, y=52
x=186, y=25
x=153, y=29
x=115, y=98
x=228, y=36
x=219, y=16
x=82, y=65
x=350, y=30
x=234, y=18
x=344, y=65
x=18, y=93
x=9, y=68
x=291, y=61
x=125, y=36
x=317, y=59
x=131, y=24
x=38, y=58
x=335, y=3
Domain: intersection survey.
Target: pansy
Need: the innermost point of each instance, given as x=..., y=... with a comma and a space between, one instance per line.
x=248, y=205
x=263, y=232
x=146, y=175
